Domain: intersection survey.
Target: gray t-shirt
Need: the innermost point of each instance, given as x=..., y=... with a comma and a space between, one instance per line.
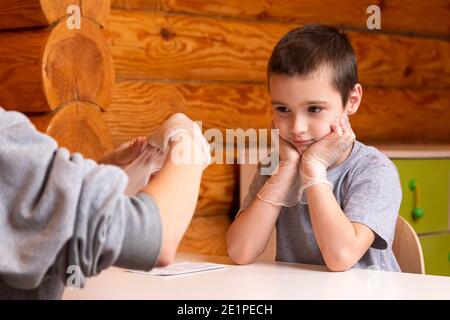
x=63, y=217
x=367, y=187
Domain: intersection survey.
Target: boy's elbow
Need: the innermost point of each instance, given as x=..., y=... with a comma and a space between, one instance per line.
x=338, y=266
x=238, y=254
x=339, y=261
x=240, y=257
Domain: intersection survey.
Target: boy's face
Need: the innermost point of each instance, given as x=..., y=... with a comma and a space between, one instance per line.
x=304, y=107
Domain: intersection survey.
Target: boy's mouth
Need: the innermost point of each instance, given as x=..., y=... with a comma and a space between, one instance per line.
x=301, y=143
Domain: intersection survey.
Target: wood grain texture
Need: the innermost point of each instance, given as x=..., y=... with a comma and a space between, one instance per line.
x=138, y=108
x=40, y=69
x=32, y=13
x=411, y=16
x=206, y=235
x=78, y=127
x=78, y=65
x=218, y=191
x=407, y=248
x=149, y=45
x=97, y=10
x=386, y=115
x=153, y=45
x=389, y=116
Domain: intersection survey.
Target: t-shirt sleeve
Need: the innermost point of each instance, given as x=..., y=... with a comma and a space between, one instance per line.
x=256, y=185
x=142, y=233
x=59, y=210
x=373, y=198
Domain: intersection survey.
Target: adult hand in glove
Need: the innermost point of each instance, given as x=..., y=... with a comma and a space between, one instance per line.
x=140, y=170
x=138, y=159
x=176, y=128
x=125, y=153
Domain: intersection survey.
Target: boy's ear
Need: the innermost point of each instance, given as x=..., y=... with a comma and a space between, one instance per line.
x=354, y=99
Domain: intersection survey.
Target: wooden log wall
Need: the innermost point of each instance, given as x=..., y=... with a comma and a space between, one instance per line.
x=61, y=77
x=208, y=59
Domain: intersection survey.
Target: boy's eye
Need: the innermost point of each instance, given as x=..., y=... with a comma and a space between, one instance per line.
x=282, y=109
x=314, y=109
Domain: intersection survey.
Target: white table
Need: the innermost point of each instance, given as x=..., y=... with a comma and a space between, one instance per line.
x=262, y=280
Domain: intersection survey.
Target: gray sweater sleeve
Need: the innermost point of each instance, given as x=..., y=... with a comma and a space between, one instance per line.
x=59, y=210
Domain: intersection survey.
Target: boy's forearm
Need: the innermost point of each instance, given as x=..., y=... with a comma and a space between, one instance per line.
x=249, y=234
x=175, y=190
x=334, y=233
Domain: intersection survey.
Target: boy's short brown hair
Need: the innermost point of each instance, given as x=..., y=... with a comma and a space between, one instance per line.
x=306, y=49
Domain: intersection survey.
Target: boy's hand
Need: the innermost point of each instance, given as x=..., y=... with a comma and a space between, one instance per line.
x=281, y=189
x=324, y=153
x=327, y=151
x=288, y=153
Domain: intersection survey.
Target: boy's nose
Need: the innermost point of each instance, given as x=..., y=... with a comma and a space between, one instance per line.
x=299, y=126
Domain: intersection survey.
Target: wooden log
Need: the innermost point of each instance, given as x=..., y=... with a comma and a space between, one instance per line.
x=407, y=116
x=77, y=126
x=32, y=13
x=44, y=68
x=409, y=16
x=206, y=235
x=148, y=45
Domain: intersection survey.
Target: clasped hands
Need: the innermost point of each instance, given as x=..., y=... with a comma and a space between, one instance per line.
x=143, y=157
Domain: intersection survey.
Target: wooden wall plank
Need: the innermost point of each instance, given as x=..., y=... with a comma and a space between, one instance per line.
x=148, y=45
x=206, y=235
x=407, y=116
x=403, y=116
x=218, y=190
x=138, y=108
x=412, y=16
x=29, y=13
x=32, y=13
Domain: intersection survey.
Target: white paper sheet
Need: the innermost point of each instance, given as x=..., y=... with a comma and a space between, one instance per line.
x=182, y=268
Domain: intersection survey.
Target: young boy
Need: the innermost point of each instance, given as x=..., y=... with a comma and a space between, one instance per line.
x=349, y=193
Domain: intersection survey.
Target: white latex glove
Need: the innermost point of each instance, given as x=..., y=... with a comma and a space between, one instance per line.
x=125, y=153
x=174, y=125
x=318, y=157
x=282, y=187
x=140, y=170
x=175, y=128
